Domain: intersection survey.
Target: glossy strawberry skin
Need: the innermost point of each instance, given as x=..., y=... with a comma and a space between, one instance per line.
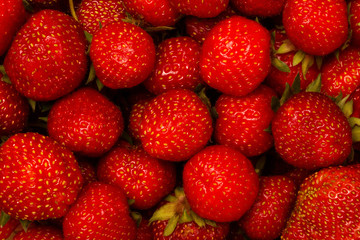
x=12, y=16
x=91, y=12
x=268, y=215
x=47, y=58
x=175, y=125
x=220, y=183
x=123, y=55
x=315, y=27
x=242, y=121
x=14, y=110
x=200, y=8
x=330, y=195
x=86, y=122
x=33, y=165
x=240, y=67
x=101, y=212
x=311, y=132
x=40, y=232
x=143, y=178
x=177, y=66
x=259, y=8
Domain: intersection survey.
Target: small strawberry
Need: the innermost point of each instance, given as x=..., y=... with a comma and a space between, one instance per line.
x=310, y=131
x=143, y=178
x=12, y=16
x=175, y=125
x=135, y=118
x=235, y=56
x=354, y=19
x=177, y=66
x=123, y=55
x=100, y=212
x=155, y=12
x=242, y=121
x=200, y=8
x=39, y=178
x=47, y=58
x=259, y=8
x=268, y=215
x=14, y=110
x=327, y=206
x=220, y=183
x=93, y=13
x=40, y=232
x=85, y=122
x=314, y=27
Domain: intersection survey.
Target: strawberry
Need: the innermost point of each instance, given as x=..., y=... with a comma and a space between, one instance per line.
x=40, y=232
x=327, y=206
x=237, y=68
x=144, y=231
x=155, y=12
x=200, y=8
x=242, y=121
x=123, y=55
x=340, y=74
x=354, y=20
x=88, y=171
x=92, y=13
x=177, y=66
x=175, y=125
x=12, y=16
x=143, y=178
x=220, y=183
x=135, y=118
x=258, y=7
x=310, y=131
x=40, y=178
x=268, y=215
x=85, y=122
x=47, y=57
x=107, y=215
x=7, y=230
x=314, y=27
x=14, y=110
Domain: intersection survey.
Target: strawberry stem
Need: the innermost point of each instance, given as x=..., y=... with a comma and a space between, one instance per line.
x=72, y=10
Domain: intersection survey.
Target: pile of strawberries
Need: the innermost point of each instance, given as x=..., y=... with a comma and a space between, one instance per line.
x=179, y=120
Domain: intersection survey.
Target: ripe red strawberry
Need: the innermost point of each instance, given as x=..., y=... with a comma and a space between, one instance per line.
x=7, y=230
x=200, y=8
x=268, y=215
x=93, y=12
x=155, y=12
x=310, y=131
x=88, y=171
x=143, y=178
x=123, y=55
x=314, y=27
x=220, y=183
x=235, y=56
x=14, y=110
x=135, y=118
x=12, y=16
x=40, y=232
x=47, y=57
x=258, y=7
x=327, y=206
x=354, y=19
x=101, y=212
x=177, y=66
x=341, y=74
x=175, y=125
x=39, y=178
x=86, y=122
x=242, y=121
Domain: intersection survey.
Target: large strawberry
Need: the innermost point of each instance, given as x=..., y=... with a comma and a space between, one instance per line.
x=200, y=8
x=123, y=55
x=40, y=232
x=14, y=109
x=258, y=7
x=39, y=178
x=327, y=206
x=235, y=56
x=12, y=16
x=310, y=131
x=220, y=183
x=242, y=121
x=177, y=66
x=315, y=27
x=175, y=125
x=47, y=58
x=101, y=212
x=143, y=178
x=86, y=122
